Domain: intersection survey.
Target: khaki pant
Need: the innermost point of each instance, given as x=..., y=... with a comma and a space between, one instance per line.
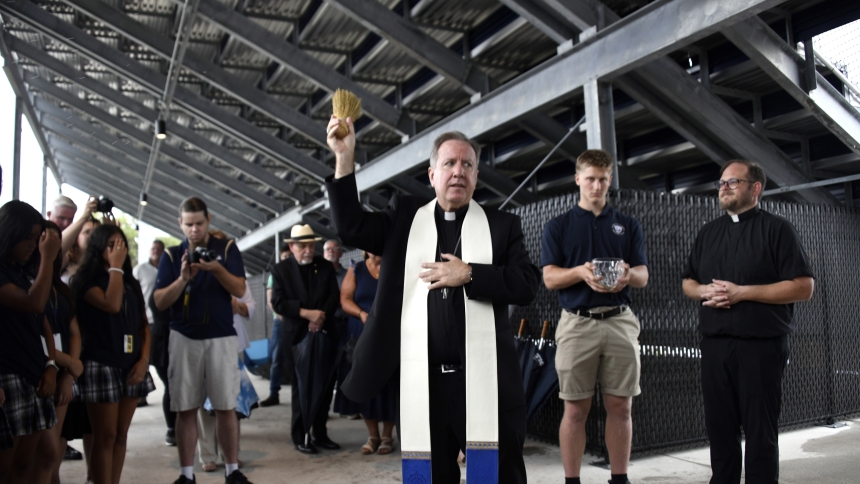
x=591, y=350
x=201, y=368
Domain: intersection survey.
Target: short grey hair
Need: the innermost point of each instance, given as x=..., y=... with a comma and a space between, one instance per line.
x=336, y=243
x=449, y=136
x=64, y=201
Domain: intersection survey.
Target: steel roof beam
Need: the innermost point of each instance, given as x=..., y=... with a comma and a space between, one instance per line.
x=550, y=131
x=641, y=37
x=89, y=165
x=718, y=139
x=168, y=184
x=545, y=21
x=216, y=75
x=633, y=86
x=152, y=81
x=168, y=151
x=156, y=219
x=298, y=61
x=761, y=44
x=412, y=186
x=99, y=164
x=713, y=115
x=407, y=36
x=187, y=134
x=581, y=13
x=159, y=208
x=168, y=176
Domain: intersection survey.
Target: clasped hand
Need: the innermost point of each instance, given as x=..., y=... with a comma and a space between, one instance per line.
x=721, y=294
x=453, y=273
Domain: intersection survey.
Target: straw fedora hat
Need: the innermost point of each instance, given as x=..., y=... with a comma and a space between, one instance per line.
x=302, y=233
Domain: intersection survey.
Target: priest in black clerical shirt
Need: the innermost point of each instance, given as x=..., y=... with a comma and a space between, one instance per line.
x=445, y=289
x=747, y=268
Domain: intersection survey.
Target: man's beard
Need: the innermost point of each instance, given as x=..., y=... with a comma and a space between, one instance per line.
x=736, y=203
x=303, y=262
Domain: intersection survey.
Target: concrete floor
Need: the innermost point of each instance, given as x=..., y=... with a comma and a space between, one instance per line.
x=817, y=454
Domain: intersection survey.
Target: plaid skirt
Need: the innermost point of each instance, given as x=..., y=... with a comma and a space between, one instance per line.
x=26, y=413
x=106, y=384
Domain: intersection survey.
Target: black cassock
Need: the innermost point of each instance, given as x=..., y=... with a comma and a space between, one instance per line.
x=510, y=279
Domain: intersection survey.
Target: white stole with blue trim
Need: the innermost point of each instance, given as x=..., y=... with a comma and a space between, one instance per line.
x=482, y=386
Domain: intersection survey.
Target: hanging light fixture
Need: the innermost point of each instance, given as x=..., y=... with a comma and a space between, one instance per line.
x=143, y=199
x=160, y=129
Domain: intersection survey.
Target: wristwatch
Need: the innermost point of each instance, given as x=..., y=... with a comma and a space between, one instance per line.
x=52, y=363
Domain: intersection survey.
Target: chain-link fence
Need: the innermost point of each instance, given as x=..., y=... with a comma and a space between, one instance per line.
x=841, y=46
x=822, y=380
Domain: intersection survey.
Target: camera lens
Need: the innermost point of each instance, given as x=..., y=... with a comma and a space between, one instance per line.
x=105, y=204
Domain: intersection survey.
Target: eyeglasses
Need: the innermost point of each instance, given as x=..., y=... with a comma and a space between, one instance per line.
x=731, y=183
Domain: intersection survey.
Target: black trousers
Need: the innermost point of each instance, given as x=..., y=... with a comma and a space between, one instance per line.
x=318, y=427
x=448, y=432
x=742, y=388
x=169, y=416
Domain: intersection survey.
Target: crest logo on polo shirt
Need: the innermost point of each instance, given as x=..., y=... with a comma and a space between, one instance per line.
x=617, y=229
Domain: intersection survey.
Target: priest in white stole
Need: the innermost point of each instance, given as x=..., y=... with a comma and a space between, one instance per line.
x=439, y=324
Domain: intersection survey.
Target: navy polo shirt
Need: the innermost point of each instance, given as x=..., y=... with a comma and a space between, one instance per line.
x=577, y=237
x=209, y=313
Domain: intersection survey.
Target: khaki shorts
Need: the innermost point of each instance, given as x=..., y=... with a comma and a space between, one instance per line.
x=203, y=368
x=591, y=350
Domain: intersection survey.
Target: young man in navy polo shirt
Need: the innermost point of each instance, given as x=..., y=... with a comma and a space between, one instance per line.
x=598, y=334
x=203, y=343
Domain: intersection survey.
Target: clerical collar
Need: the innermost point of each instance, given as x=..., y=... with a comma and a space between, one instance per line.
x=452, y=216
x=745, y=215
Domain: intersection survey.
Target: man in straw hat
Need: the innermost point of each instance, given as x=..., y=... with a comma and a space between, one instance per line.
x=440, y=316
x=305, y=294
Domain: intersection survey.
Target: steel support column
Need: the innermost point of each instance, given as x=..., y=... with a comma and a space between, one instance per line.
x=600, y=121
x=16, y=149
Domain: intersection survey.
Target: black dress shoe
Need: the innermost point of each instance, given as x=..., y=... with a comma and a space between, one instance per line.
x=306, y=449
x=72, y=454
x=273, y=400
x=326, y=444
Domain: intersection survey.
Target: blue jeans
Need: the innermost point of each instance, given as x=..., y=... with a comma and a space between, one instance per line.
x=276, y=357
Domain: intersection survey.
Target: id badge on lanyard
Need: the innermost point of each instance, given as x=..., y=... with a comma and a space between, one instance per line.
x=129, y=343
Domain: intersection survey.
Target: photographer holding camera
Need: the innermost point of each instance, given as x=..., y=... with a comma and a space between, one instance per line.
x=63, y=212
x=197, y=281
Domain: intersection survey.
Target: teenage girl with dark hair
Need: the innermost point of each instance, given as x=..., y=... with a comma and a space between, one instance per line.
x=116, y=343
x=27, y=376
x=60, y=312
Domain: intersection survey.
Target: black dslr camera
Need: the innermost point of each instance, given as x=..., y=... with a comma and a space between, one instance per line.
x=201, y=254
x=105, y=204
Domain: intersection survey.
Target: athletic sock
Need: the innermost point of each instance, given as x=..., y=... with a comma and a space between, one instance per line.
x=229, y=468
x=571, y=480
x=618, y=479
x=188, y=472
